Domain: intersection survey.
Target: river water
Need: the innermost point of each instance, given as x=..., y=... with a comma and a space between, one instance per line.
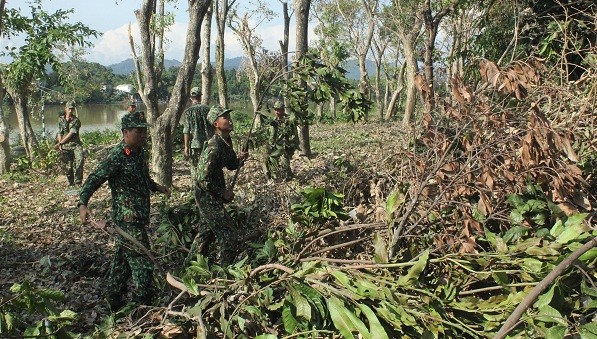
x=93, y=118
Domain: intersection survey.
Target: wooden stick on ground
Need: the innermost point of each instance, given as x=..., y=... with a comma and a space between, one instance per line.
x=512, y=320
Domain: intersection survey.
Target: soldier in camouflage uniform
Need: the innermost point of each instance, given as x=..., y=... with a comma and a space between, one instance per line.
x=282, y=142
x=70, y=146
x=127, y=173
x=196, y=129
x=210, y=189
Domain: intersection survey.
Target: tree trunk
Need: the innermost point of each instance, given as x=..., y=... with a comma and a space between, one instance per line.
x=164, y=125
x=319, y=112
x=4, y=131
x=206, y=69
x=28, y=138
x=222, y=8
x=396, y=95
x=333, y=101
x=302, y=34
x=4, y=145
x=411, y=90
x=284, y=45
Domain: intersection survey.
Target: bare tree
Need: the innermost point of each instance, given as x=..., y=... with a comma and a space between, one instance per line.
x=222, y=8
x=251, y=44
x=405, y=19
x=4, y=131
x=432, y=23
x=206, y=69
x=360, y=25
x=164, y=124
x=379, y=44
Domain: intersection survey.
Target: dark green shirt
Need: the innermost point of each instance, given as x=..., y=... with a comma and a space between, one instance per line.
x=65, y=127
x=282, y=136
x=195, y=123
x=210, y=169
x=127, y=173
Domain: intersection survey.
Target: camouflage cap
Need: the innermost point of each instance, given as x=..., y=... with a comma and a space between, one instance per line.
x=134, y=119
x=70, y=104
x=195, y=91
x=133, y=103
x=215, y=112
x=278, y=104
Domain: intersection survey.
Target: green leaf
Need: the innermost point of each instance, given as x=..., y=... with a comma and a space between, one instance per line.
x=574, y=227
x=415, y=271
x=290, y=322
x=376, y=330
x=379, y=246
x=556, y=332
x=394, y=201
x=266, y=336
x=303, y=309
x=501, y=278
x=551, y=315
x=532, y=265
x=345, y=320
x=588, y=331
x=545, y=298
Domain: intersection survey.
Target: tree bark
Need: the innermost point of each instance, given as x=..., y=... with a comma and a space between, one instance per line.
x=206, y=69
x=396, y=95
x=28, y=138
x=411, y=90
x=221, y=10
x=4, y=144
x=302, y=34
x=4, y=131
x=164, y=124
x=431, y=28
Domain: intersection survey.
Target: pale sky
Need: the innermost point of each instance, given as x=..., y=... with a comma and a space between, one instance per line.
x=112, y=18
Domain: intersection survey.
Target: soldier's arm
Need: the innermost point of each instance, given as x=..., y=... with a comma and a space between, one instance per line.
x=105, y=170
x=74, y=130
x=206, y=168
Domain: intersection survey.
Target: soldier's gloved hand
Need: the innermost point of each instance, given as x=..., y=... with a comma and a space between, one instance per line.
x=228, y=196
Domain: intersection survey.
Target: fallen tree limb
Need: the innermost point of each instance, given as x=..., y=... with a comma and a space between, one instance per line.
x=142, y=248
x=512, y=320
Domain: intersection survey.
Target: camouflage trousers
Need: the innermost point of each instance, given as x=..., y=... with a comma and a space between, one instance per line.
x=194, y=160
x=130, y=262
x=277, y=166
x=72, y=158
x=216, y=229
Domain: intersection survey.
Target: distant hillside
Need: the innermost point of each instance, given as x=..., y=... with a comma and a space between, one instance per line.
x=127, y=66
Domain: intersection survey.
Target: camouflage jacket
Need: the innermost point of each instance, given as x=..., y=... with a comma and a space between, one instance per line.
x=210, y=169
x=65, y=126
x=127, y=174
x=195, y=124
x=282, y=136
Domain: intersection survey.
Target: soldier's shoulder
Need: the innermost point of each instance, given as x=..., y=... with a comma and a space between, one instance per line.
x=213, y=141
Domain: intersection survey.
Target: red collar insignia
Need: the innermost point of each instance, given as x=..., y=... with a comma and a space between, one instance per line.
x=127, y=151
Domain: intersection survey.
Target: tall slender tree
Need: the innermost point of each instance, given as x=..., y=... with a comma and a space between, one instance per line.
x=164, y=123
x=206, y=68
x=302, y=8
x=222, y=8
x=4, y=131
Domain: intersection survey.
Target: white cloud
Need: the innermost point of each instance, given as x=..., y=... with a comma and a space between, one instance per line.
x=113, y=46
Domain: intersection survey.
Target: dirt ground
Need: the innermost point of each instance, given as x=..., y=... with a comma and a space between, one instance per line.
x=42, y=241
